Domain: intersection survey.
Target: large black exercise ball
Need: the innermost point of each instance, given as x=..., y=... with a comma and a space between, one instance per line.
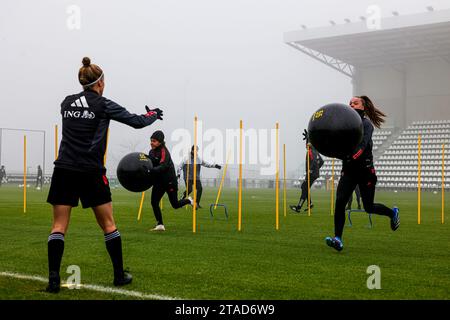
x=335, y=130
x=134, y=170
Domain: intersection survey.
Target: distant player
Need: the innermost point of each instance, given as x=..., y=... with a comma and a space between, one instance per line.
x=39, y=178
x=164, y=179
x=315, y=163
x=358, y=170
x=79, y=172
x=186, y=165
x=358, y=199
x=2, y=174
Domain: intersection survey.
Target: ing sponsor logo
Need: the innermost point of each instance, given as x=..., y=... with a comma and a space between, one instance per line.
x=78, y=114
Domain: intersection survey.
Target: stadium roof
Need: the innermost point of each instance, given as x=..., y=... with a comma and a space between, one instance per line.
x=398, y=41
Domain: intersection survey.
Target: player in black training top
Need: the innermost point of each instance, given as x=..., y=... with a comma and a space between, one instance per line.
x=358, y=169
x=79, y=172
x=315, y=163
x=164, y=178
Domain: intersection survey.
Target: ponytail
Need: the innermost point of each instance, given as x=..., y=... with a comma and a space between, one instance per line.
x=375, y=115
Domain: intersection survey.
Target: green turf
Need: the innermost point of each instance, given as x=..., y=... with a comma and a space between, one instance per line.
x=218, y=262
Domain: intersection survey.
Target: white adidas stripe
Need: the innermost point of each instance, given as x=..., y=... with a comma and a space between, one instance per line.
x=111, y=236
x=84, y=102
x=80, y=102
x=93, y=287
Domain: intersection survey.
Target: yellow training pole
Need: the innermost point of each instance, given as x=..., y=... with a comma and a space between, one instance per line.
x=443, y=183
x=332, y=187
x=277, y=178
x=418, y=180
x=240, y=178
x=284, y=179
x=56, y=141
x=222, y=181
x=194, y=215
x=106, y=149
x=309, y=191
x=24, y=174
x=161, y=204
x=140, y=206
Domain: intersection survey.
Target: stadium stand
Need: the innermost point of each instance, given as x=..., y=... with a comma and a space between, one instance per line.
x=396, y=157
x=397, y=168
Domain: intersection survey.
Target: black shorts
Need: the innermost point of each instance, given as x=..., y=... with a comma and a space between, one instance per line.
x=68, y=186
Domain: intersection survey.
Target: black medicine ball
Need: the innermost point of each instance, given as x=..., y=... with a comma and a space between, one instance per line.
x=335, y=130
x=133, y=172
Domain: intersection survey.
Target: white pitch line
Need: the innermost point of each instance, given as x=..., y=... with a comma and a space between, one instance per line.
x=92, y=287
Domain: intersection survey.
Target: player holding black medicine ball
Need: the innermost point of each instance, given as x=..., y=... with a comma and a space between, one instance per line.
x=79, y=172
x=164, y=178
x=358, y=169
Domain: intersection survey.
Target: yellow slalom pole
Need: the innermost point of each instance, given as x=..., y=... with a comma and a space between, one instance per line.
x=106, y=149
x=332, y=187
x=56, y=141
x=240, y=178
x=309, y=191
x=194, y=211
x=418, y=180
x=443, y=183
x=161, y=204
x=140, y=206
x=277, y=178
x=284, y=179
x=187, y=176
x=24, y=174
x=222, y=181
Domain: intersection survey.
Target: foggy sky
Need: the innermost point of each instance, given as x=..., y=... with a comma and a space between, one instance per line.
x=220, y=60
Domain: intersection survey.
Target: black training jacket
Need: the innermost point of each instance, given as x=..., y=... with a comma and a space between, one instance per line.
x=362, y=157
x=163, y=167
x=85, y=121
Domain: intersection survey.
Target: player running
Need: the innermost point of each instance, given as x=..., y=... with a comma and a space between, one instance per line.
x=358, y=169
x=187, y=165
x=164, y=179
x=315, y=163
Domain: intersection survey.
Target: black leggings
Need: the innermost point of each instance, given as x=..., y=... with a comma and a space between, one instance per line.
x=304, y=188
x=358, y=198
x=190, y=187
x=172, y=192
x=366, y=179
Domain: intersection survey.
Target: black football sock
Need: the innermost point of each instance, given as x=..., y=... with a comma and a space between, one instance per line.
x=113, y=243
x=55, y=251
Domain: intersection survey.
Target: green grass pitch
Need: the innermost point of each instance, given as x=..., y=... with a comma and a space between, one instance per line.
x=218, y=262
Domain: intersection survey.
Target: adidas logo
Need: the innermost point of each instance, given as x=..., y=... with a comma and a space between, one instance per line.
x=80, y=103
